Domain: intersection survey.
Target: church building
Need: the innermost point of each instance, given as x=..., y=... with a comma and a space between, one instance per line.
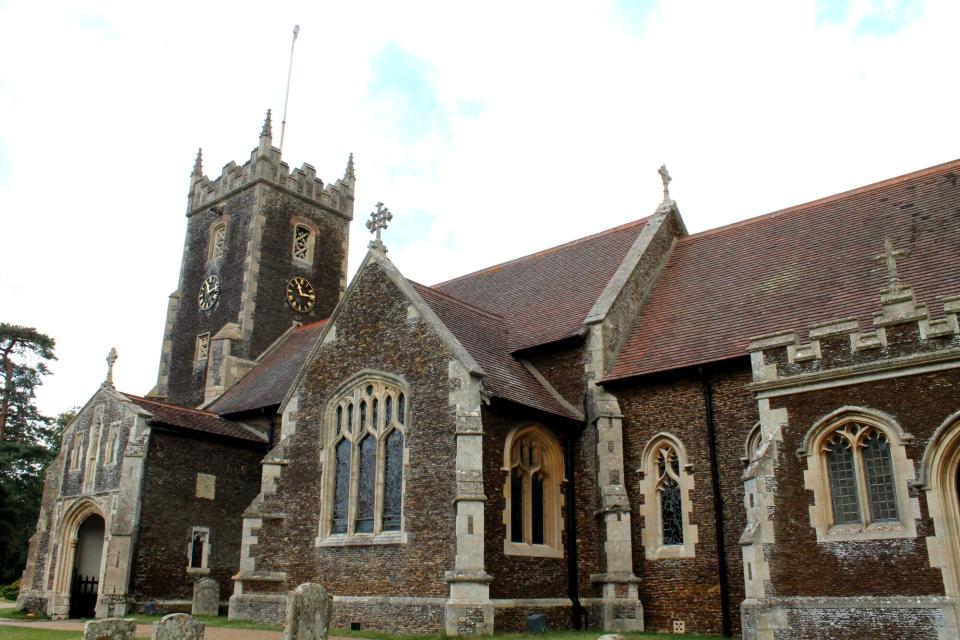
x=753, y=430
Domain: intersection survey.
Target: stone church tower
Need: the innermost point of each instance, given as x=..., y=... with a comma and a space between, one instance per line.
x=265, y=248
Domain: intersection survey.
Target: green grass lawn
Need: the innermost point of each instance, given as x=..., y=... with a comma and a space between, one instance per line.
x=26, y=633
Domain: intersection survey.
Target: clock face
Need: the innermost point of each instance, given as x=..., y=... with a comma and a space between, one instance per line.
x=209, y=292
x=300, y=294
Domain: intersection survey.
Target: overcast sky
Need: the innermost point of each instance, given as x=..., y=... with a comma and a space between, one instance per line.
x=490, y=129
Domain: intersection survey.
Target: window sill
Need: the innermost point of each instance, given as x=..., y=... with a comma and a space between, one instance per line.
x=198, y=571
x=671, y=552
x=531, y=550
x=363, y=539
x=873, y=531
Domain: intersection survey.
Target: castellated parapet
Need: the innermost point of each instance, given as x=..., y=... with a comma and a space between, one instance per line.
x=266, y=165
x=903, y=332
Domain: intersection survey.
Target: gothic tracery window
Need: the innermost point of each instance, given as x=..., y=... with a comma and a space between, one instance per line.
x=857, y=468
x=860, y=473
x=533, y=463
x=218, y=240
x=303, y=237
x=366, y=460
x=666, y=482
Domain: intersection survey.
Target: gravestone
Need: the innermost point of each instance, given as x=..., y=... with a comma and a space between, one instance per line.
x=110, y=629
x=206, y=597
x=177, y=626
x=309, y=609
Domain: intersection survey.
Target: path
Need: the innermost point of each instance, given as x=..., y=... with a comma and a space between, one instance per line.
x=144, y=630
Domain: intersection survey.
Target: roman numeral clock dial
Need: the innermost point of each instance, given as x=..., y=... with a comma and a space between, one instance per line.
x=301, y=295
x=209, y=292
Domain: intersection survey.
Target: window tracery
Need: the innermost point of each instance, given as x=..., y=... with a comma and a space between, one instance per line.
x=302, y=243
x=365, y=460
x=533, y=465
x=218, y=241
x=857, y=469
x=666, y=483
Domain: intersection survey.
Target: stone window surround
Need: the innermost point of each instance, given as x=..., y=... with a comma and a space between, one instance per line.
x=382, y=382
x=204, y=568
x=202, y=351
x=113, y=443
x=752, y=443
x=220, y=224
x=816, y=478
x=652, y=531
x=298, y=221
x=94, y=437
x=938, y=474
x=553, y=495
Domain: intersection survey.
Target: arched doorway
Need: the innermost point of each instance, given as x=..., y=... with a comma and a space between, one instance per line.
x=85, y=574
x=940, y=476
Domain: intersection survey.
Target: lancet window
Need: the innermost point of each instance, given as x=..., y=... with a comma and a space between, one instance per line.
x=666, y=482
x=198, y=550
x=533, y=465
x=367, y=426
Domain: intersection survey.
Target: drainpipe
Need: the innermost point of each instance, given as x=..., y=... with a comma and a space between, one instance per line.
x=717, y=505
x=573, y=591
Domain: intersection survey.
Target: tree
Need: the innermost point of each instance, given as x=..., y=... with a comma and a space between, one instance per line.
x=28, y=441
x=24, y=352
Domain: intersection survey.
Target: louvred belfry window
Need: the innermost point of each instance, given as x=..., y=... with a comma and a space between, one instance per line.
x=218, y=240
x=301, y=243
x=365, y=494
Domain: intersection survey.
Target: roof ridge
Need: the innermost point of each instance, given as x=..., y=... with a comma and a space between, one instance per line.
x=472, y=307
x=535, y=254
x=209, y=414
x=830, y=198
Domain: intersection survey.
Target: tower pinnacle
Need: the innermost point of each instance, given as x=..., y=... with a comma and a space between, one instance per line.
x=349, y=175
x=198, y=163
x=267, y=131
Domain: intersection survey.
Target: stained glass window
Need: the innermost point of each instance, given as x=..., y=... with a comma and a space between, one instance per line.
x=843, y=483
x=401, y=402
x=516, y=506
x=536, y=509
x=392, y=481
x=881, y=486
x=341, y=491
x=671, y=512
x=367, y=461
x=366, y=485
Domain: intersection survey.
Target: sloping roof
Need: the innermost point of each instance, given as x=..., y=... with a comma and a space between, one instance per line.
x=268, y=382
x=545, y=296
x=796, y=267
x=485, y=337
x=196, y=420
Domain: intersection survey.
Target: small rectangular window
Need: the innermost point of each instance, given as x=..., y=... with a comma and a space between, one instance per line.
x=203, y=347
x=198, y=550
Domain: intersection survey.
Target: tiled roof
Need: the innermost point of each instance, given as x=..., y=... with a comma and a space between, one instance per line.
x=268, y=382
x=173, y=415
x=546, y=296
x=485, y=337
x=793, y=268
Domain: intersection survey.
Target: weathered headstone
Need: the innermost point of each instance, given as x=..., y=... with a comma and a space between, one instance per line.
x=206, y=597
x=110, y=629
x=611, y=636
x=309, y=610
x=177, y=626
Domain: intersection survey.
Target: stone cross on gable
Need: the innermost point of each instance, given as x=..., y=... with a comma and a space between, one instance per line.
x=111, y=359
x=889, y=257
x=377, y=222
x=665, y=177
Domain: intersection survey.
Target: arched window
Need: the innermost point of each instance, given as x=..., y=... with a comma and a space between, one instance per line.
x=218, y=241
x=666, y=482
x=855, y=467
x=366, y=426
x=198, y=551
x=533, y=500
x=303, y=241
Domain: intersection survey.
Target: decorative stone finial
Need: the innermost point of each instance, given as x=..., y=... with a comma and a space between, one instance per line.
x=348, y=174
x=378, y=221
x=267, y=131
x=198, y=163
x=111, y=359
x=889, y=257
x=665, y=177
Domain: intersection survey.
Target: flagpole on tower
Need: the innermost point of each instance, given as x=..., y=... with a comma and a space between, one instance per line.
x=286, y=99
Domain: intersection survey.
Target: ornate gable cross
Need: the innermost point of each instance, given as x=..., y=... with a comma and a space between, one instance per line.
x=889, y=257
x=111, y=359
x=665, y=177
x=379, y=220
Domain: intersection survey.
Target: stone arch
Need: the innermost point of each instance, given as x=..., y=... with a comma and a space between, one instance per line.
x=939, y=475
x=69, y=528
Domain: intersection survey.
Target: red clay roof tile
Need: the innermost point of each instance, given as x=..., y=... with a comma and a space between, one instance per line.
x=196, y=420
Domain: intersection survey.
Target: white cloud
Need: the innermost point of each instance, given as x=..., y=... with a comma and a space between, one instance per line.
x=753, y=105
